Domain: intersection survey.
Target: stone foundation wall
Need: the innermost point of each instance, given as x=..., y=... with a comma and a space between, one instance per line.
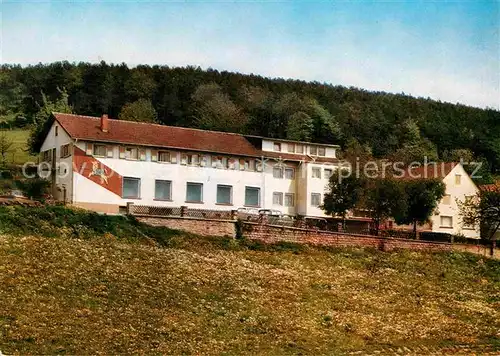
x=203, y=227
x=273, y=234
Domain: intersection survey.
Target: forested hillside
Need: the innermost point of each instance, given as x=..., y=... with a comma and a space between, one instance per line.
x=388, y=125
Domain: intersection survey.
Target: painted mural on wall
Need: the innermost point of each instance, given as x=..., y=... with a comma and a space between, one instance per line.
x=94, y=170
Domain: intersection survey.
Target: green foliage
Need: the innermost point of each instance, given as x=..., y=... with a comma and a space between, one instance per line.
x=385, y=198
x=34, y=188
x=484, y=210
x=300, y=127
x=11, y=100
x=6, y=146
x=42, y=119
x=214, y=110
x=344, y=193
x=422, y=197
x=59, y=221
x=141, y=110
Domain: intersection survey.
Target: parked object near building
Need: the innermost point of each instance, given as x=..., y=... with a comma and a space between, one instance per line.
x=102, y=164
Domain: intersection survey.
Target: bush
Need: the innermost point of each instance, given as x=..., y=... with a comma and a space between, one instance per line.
x=34, y=188
x=60, y=221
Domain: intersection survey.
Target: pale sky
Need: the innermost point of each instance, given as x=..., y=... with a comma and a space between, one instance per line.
x=449, y=51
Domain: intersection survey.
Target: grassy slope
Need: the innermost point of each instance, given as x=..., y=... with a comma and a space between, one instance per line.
x=104, y=295
x=19, y=154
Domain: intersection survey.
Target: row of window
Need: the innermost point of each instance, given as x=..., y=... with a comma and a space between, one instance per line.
x=447, y=222
x=133, y=153
x=224, y=194
x=298, y=148
x=287, y=173
x=194, y=192
x=316, y=172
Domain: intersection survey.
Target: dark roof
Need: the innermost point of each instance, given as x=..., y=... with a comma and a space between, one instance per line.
x=495, y=187
x=154, y=135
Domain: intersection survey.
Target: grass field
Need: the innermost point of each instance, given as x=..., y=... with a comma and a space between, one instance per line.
x=220, y=296
x=19, y=153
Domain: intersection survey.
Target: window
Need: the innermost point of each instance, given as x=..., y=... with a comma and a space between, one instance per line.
x=316, y=172
x=192, y=159
x=328, y=173
x=447, y=199
x=458, y=179
x=252, y=196
x=277, y=198
x=100, y=150
x=250, y=165
x=313, y=150
x=277, y=146
x=289, y=199
x=321, y=151
x=56, y=130
x=46, y=156
x=163, y=156
x=299, y=149
x=131, y=153
x=194, y=192
x=131, y=188
x=224, y=194
x=290, y=147
x=315, y=199
x=163, y=190
x=446, y=221
x=289, y=173
x=277, y=172
x=65, y=151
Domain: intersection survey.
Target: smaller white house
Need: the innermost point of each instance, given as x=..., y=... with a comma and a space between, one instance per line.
x=459, y=187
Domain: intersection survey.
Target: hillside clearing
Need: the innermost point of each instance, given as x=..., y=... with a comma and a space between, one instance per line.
x=19, y=153
x=106, y=296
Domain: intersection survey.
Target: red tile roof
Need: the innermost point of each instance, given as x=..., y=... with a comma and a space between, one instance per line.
x=495, y=187
x=154, y=135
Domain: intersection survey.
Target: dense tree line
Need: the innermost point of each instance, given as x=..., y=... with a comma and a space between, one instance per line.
x=388, y=125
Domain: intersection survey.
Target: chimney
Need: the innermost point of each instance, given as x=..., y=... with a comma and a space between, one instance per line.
x=104, y=123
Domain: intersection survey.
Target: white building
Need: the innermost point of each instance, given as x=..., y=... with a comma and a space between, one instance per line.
x=102, y=164
x=459, y=187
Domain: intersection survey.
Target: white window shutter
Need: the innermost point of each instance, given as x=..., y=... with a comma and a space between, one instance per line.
x=89, y=149
x=203, y=161
x=109, y=151
x=183, y=159
x=173, y=157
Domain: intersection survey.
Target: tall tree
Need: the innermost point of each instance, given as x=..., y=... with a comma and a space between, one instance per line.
x=384, y=198
x=422, y=197
x=343, y=194
x=141, y=110
x=483, y=210
x=42, y=118
x=215, y=110
x=6, y=145
x=300, y=127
